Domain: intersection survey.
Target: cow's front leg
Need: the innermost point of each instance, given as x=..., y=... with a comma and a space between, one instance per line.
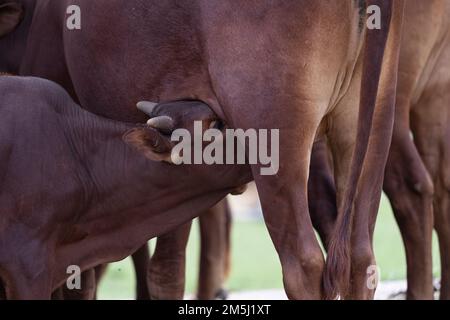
x=431, y=137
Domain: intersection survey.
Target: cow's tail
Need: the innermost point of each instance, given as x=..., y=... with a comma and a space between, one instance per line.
x=337, y=272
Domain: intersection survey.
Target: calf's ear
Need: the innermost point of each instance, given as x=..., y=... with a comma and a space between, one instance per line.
x=11, y=15
x=150, y=143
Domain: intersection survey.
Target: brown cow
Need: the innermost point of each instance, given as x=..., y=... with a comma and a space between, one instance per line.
x=258, y=64
x=417, y=173
x=71, y=189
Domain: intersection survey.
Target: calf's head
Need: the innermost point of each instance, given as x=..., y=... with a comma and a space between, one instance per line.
x=153, y=140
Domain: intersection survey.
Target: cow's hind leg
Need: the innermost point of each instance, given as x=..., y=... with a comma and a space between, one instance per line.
x=410, y=190
x=442, y=216
x=430, y=122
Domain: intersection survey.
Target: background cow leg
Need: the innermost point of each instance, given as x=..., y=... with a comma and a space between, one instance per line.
x=166, y=275
x=215, y=230
x=430, y=123
x=410, y=190
x=141, y=260
x=442, y=216
x=322, y=192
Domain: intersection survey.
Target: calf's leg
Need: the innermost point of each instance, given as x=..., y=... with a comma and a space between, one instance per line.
x=141, y=260
x=215, y=250
x=166, y=273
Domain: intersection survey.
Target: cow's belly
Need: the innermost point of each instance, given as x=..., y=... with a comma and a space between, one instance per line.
x=431, y=111
x=154, y=57
x=432, y=87
x=152, y=52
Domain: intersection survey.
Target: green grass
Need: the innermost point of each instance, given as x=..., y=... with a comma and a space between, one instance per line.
x=255, y=263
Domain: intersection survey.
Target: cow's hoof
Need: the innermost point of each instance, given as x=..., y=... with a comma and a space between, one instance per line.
x=222, y=294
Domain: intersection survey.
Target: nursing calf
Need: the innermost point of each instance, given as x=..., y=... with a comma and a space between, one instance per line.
x=71, y=190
